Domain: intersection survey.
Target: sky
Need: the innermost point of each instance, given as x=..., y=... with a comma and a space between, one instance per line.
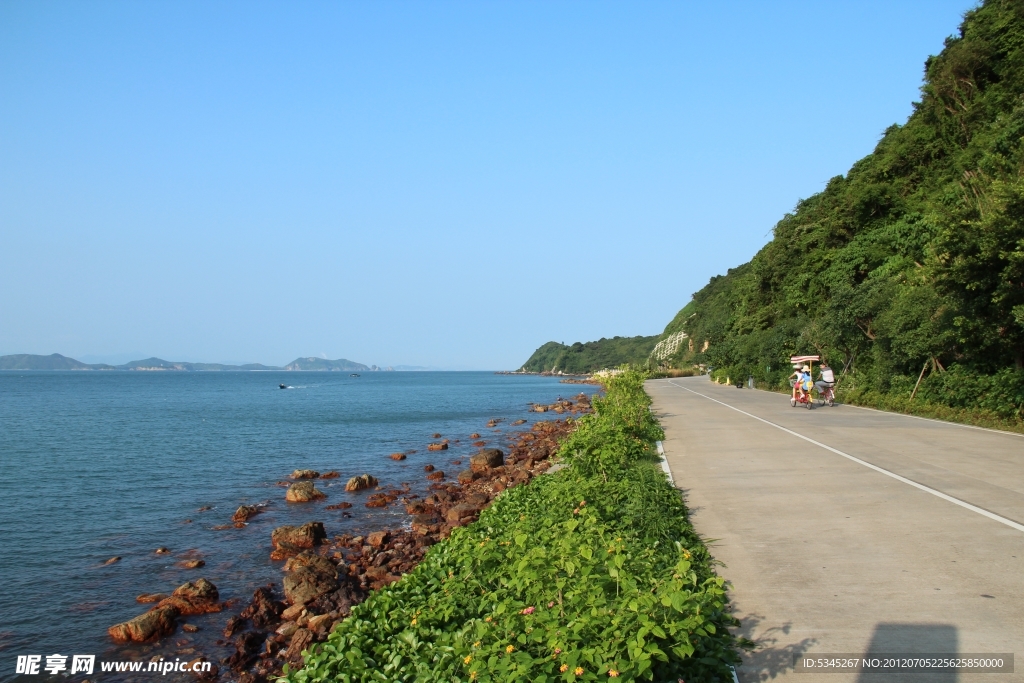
x=442, y=184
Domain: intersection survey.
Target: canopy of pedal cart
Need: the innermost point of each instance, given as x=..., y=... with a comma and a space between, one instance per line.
x=798, y=361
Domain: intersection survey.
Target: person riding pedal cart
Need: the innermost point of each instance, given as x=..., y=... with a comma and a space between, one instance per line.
x=801, y=381
x=827, y=379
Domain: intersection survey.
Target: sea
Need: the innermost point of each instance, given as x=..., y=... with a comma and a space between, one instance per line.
x=96, y=465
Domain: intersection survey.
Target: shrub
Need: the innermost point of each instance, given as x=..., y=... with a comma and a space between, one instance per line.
x=582, y=573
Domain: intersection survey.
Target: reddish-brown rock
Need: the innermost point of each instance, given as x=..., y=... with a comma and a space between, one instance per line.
x=377, y=538
x=305, y=474
x=333, y=474
x=442, y=446
x=486, y=459
x=344, y=505
x=149, y=626
x=436, y=475
x=289, y=540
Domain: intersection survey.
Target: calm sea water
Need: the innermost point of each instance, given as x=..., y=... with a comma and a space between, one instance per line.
x=101, y=464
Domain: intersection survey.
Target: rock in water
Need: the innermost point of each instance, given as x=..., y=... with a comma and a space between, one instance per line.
x=303, y=492
x=333, y=474
x=377, y=538
x=305, y=474
x=486, y=459
x=398, y=456
x=149, y=626
x=442, y=446
x=195, y=597
x=363, y=481
x=245, y=512
x=289, y=540
x=192, y=564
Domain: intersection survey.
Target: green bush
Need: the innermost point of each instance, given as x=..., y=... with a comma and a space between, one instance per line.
x=587, y=574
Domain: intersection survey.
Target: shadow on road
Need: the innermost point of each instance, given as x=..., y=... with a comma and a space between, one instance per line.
x=894, y=638
x=772, y=654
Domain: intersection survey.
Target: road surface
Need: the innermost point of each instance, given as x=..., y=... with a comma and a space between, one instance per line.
x=850, y=531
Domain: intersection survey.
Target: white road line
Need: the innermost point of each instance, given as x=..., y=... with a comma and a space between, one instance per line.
x=940, y=494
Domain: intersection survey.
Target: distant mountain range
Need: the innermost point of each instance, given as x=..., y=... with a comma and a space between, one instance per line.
x=55, y=361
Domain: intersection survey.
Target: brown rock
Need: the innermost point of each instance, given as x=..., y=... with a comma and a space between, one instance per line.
x=474, y=435
x=333, y=474
x=428, y=468
x=377, y=538
x=264, y=610
x=540, y=409
x=460, y=512
x=363, y=481
x=162, y=550
x=244, y=512
x=317, y=575
x=321, y=622
x=191, y=564
x=195, y=597
x=301, y=639
x=467, y=476
x=112, y=560
x=437, y=475
x=303, y=492
x=398, y=456
x=436, y=436
x=189, y=628
x=344, y=505
x=291, y=539
x=486, y=459
x=305, y=474
x=518, y=422
x=147, y=598
x=292, y=613
x=442, y=446
x=149, y=626
x=479, y=444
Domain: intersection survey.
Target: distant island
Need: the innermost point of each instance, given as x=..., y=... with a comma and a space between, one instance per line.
x=55, y=361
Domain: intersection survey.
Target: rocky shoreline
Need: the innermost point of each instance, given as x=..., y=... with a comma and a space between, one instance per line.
x=324, y=576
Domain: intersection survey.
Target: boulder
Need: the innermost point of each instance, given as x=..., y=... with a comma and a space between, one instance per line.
x=195, y=597
x=192, y=564
x=162, y=550
x=363, y=481
x=486, y=459
x=292, y=539
x=468, y=476
x=436, y=475
x=305, y=474
x=303, y=492
x=460, y=512
x=377, y=538
x=518, y=422
x=398, y=456
x=333, y=474
x=343, y=505
x=442, y=446
x=301, y=639
x=146, y=598
x=316, y=576
x=436, y=435
x=474, y=435
x=428, y=468
x=264, y=610
x=540, y=409
x=149, y=626
x=244, y=512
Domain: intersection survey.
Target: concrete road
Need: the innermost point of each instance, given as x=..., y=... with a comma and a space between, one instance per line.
x=846, y=530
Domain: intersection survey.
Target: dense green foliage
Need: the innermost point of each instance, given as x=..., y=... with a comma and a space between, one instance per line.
x=590, y=573
x=585, y=357
x=913, y=261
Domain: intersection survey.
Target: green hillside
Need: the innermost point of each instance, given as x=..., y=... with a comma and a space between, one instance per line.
x=55, y=361
x=581, y=358
x=912, y=262
x=322, y=364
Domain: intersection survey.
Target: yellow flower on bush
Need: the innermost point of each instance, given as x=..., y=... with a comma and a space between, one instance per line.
x=472, y=675
x=578, y=671
x=509, y=649
x=613, y=674
x=476, y=644
x=563, y=668
x=467, y=659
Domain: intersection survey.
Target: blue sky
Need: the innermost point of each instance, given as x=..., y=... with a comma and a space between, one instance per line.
x=447, y=184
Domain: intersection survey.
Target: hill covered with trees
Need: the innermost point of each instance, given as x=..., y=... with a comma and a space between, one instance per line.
x=911, y=264
x=584, y=357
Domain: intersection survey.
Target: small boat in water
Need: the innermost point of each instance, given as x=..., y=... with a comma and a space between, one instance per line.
x=354, y=374
x=283, y=386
